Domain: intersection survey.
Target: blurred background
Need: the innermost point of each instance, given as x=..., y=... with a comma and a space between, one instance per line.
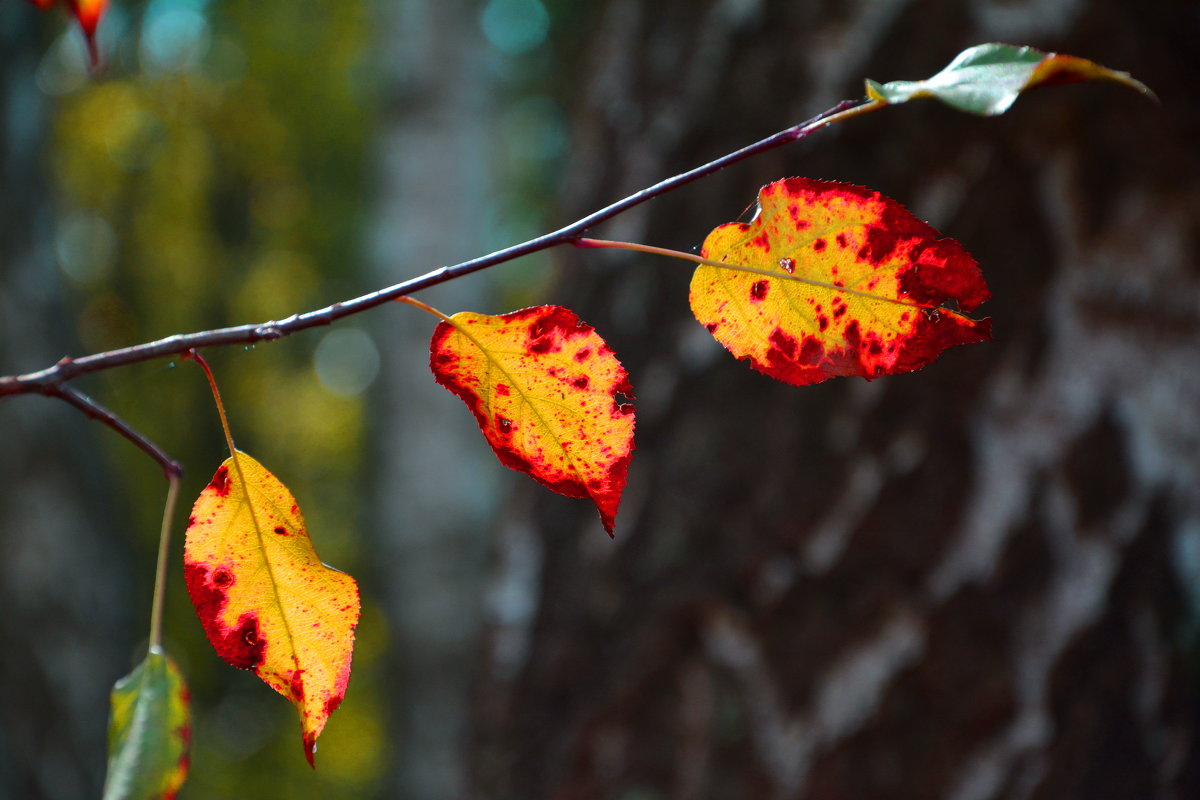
x=979, y=581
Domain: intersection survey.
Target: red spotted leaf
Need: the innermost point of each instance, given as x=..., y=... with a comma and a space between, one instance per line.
x=267, y=602
x=548, y=394
x=833, y=279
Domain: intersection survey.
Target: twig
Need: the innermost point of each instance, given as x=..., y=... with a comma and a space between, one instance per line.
x=94, y=410
x=160, y=571
x=52, y=380
x=70, y=368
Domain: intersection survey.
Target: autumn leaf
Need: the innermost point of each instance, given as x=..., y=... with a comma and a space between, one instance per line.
x=149, y=732
x=266, y=601
x=87, y=13
x=548, y=394
x=988, y=78
x=841, y=281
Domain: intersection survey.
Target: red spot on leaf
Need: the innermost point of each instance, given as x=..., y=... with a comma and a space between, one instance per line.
x=841, y=240
x=241, y=645
x=220, y=481
x=762, y=241
x=792, y=362
x=812, y=351
x=944, y=271
x=896, y=225
x=852, y=335
x=783, y=342
x=711, y=326
x=282, y=531
x=551, y=327
x=502, y=390
x=758, y=292
x=819, y=245
x=581, y=382
x=788, y=265
x=583, y=354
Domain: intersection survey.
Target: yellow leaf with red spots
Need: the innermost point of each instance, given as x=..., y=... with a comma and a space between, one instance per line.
x=266, y=601
x=548, y=394
x=833, y=279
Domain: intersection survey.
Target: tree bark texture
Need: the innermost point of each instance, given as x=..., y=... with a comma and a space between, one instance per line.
x=977, y=581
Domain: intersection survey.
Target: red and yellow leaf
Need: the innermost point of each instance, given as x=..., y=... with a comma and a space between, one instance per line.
x=548, y=395
x=266, y=601
x=149, y=733
x=841, y=281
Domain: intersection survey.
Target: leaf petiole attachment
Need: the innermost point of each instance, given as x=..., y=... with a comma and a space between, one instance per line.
x=425, y=307
x=212, y=383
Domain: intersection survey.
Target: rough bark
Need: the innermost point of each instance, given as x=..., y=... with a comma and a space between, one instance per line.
x=977, y=581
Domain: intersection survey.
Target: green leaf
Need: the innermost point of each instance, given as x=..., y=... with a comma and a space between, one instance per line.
x=149, y=732
x=988, y=78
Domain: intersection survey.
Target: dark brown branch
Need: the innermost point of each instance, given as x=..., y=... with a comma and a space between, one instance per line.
x=52, y=380
x=94, y=410
x=69, y=368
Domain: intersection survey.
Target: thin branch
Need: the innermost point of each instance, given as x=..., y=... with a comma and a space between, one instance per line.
x=98, y=412
x=70, y=368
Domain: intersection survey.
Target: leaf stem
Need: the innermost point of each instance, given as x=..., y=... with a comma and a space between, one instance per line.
x=160, y=575
x=426, y=307
x=216, y=393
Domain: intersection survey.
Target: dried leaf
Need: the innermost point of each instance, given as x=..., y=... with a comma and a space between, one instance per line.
x=548, y=395
x=149, y=733
x=988, y=78
x=841, y=281
x=266, y=601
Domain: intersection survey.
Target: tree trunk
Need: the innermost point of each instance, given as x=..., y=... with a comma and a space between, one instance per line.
x=976, y=581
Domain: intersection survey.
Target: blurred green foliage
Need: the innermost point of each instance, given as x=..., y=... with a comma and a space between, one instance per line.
x=215, y=176
x=219, y=173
